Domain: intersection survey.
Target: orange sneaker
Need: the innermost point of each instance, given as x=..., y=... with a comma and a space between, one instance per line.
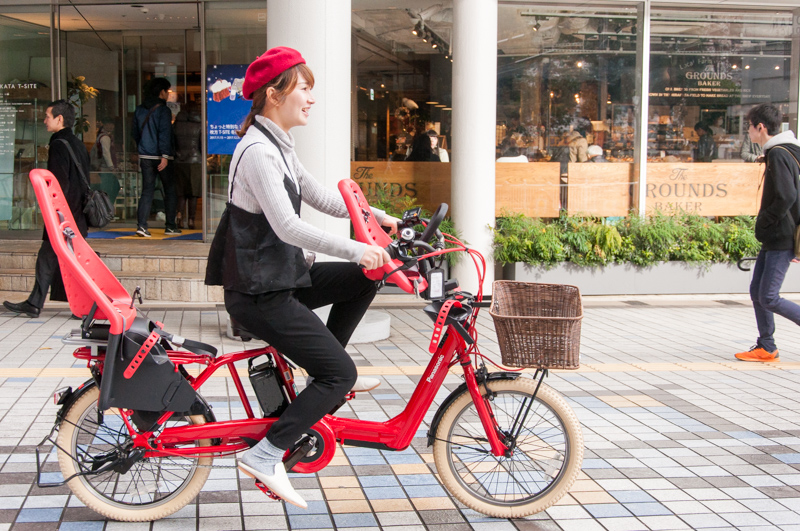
x=759, y=354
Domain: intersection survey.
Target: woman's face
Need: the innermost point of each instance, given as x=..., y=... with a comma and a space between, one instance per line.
x=294, y=108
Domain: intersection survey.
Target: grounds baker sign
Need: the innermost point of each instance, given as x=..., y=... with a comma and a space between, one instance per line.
x=713, y=189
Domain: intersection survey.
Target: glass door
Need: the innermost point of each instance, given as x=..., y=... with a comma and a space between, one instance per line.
x=25, y=87
x=111, y=52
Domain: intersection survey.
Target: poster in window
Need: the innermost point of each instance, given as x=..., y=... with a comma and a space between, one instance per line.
x=226, y=108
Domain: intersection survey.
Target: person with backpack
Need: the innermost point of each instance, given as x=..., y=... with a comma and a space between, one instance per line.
x=776, y=224
x=65, y=153
x=103, y=158
x=152, y=131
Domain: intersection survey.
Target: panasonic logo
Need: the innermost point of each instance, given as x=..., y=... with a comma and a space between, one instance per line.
x=435, y=368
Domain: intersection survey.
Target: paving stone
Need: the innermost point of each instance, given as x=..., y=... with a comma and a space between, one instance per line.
x=665, y=449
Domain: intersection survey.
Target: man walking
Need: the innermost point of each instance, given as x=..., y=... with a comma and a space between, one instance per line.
x=778, y=217
x=152, y=130
x=58, y=119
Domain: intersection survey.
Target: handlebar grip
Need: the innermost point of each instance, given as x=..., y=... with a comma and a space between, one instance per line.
x=394, y=253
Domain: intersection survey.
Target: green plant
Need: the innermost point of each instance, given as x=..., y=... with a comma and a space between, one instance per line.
x=78, y=93
x=640, y=240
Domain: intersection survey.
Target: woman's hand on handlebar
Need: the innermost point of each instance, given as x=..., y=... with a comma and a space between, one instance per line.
x=390, y=222
x=374, y=257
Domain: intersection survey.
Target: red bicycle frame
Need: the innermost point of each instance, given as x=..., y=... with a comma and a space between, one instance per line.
x=233, y=435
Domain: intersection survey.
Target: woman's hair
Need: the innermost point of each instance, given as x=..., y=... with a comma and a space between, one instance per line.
x=421, y=149
x=703, y=126
x=284, y=83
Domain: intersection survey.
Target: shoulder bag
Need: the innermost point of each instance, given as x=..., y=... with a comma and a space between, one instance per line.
x=97, y=206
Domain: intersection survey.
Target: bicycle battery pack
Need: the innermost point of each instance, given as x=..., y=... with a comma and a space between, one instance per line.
x=267, y=386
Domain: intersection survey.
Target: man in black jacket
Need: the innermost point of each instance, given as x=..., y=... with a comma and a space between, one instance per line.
x=58, y=119
x=152, y=131
x=777, y=220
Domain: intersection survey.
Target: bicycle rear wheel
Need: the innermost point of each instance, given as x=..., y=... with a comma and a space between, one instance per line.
x=151, y=489
x=547, y=450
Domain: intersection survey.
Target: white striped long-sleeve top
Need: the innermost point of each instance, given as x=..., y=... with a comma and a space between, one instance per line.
x=258, y=187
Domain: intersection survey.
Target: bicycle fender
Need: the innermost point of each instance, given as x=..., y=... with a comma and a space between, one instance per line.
x=456, y=393
x=70, y=397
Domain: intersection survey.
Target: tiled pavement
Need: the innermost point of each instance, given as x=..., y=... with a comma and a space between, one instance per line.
x=678, y=435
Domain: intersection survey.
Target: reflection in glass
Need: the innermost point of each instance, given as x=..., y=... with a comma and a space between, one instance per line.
x=706, y=70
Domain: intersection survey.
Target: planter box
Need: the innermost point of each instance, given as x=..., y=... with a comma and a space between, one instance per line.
x=662, y=278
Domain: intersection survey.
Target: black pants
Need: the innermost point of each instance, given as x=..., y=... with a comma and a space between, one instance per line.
x=46, y=270
x=284, y=319
x=149, y=174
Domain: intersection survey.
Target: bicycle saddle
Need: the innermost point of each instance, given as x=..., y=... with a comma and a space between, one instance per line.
x=238, y=330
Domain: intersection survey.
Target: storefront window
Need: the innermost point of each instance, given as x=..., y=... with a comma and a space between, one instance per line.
x=236, y=33
x=707, y=69
x=402, y=75
x=25, y=86
x=566, y=96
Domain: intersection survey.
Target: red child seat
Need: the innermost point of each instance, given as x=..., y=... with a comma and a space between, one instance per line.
x=87, y=279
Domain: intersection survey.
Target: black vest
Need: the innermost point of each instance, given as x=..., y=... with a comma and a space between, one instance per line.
x=247, y=256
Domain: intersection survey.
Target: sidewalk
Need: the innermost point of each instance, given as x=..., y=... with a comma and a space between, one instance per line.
x=678, y=434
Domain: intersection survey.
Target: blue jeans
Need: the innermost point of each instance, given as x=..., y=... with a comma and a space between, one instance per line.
x=768, y=275
x=149, y=174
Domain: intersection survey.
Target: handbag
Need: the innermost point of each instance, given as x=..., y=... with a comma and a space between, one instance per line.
x=97, y=206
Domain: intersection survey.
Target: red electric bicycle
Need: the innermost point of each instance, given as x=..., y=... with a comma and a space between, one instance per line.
x=137, y=441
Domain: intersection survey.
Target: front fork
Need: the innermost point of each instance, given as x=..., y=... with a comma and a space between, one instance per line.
x=482, y=405
x=501, y=443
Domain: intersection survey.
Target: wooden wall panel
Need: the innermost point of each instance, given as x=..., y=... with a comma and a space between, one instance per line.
x=708, y=189
x=531, y=189
x=600, y=189
x=534, y=189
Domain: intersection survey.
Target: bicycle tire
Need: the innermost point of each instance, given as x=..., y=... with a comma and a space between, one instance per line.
x=545, y=462
x=143, y=493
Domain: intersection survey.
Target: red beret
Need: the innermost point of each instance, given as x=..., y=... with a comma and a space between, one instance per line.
x=274, y=62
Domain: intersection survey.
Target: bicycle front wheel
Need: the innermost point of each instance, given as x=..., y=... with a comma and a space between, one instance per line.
x=150, y=489
x=546, y=450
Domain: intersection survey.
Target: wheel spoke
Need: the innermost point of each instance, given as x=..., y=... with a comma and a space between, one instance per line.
x=148, y=483
x=539, y=451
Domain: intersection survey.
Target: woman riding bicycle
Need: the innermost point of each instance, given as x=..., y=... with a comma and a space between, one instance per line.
x=263, y=255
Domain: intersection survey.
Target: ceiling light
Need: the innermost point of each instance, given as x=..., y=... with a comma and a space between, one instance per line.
x=536, y=26
x=747, y=67
x=777, y=67
x=434, y=45
x=580, y=64
x=431, y=103
x=734, y=67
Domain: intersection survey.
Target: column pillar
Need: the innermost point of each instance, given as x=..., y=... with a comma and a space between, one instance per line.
x=474, y=120
x=320, y=31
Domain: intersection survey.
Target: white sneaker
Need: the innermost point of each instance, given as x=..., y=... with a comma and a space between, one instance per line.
x=365, y=384
x=278, y=482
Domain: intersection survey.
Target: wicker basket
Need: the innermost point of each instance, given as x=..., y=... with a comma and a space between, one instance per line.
x=538, y=325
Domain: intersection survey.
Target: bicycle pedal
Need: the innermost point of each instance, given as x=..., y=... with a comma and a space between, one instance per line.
x=263, y=488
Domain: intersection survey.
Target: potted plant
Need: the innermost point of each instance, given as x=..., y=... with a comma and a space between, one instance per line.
x=685, y=253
